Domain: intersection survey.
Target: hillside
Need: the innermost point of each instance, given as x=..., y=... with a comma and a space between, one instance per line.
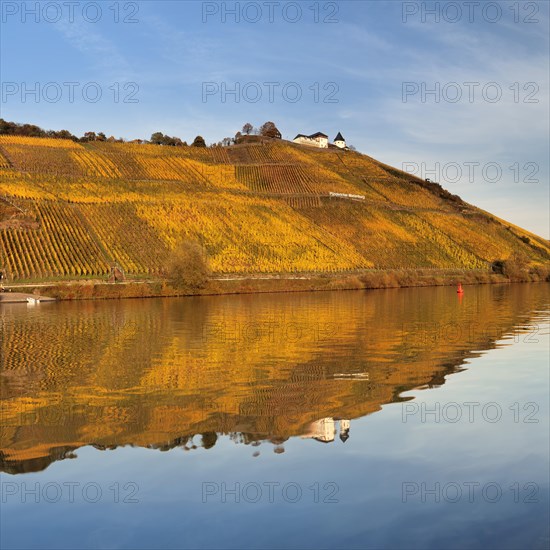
x=71, y=209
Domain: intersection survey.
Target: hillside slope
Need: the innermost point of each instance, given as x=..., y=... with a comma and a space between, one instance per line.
x=73, y=209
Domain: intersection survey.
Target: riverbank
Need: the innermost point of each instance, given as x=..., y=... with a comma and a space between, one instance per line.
x=100, y=290
x=23, y=298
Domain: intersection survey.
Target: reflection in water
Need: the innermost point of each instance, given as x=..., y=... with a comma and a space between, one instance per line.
x=183, y=372
x=325, y=429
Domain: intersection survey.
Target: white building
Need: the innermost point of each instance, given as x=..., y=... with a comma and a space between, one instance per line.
x=321, y=140
x=315, y=140
x=339, y=141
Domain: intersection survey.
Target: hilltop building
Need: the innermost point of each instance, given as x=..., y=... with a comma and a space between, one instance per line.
x=339, y=141
x=318, y=139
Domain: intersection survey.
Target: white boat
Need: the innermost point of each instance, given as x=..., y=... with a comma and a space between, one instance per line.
x=32, y=301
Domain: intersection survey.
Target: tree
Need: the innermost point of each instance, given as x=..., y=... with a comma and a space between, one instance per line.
x=516, y=266
x=5, y=126
x=64, y=134
x=31, y=130
x=90, y=136
x=187, y=266
x=247, y=128
x=157, y=138
x=270, y=130
x=199, y=142
x=209, y=439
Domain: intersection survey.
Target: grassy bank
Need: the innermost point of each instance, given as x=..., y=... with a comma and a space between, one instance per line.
x=98, y=290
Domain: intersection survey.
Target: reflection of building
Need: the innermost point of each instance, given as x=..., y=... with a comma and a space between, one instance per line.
x=321, y=430
x=324, y=430
x=344, y=430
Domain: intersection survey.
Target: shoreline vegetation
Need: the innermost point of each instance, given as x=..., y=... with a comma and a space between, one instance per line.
x=95, y=289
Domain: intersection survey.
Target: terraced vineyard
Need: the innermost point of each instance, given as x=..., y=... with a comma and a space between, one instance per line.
x=74, y=209
x=60, y=246
x=275, y=178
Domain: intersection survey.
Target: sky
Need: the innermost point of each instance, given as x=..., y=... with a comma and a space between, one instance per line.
x=457, y=92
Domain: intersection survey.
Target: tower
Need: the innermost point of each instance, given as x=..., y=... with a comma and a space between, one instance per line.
x=339, y=141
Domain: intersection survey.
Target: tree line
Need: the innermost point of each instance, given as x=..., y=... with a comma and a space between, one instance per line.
x=268, y=130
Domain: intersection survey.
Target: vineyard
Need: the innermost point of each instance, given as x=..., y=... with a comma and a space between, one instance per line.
x=60, y=247
x=273, y=178
x=74, y=209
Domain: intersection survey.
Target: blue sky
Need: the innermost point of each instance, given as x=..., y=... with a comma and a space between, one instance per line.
x=350, y=61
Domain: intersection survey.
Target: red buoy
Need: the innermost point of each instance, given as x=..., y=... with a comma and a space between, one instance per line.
x=460, y=290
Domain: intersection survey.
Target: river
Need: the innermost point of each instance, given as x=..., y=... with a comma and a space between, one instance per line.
x=404, y=418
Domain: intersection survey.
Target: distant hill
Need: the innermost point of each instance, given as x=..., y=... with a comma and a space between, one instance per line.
x=74, y=209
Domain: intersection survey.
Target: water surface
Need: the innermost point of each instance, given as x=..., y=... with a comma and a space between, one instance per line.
x=410, y=418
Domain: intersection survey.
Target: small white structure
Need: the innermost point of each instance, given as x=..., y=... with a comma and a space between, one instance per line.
x=339, y=141
x=345, y=425
x=318, y=139
x=322, y=430
x=347, y=196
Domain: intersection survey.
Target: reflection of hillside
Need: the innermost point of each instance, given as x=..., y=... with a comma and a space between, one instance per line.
x=154, y=373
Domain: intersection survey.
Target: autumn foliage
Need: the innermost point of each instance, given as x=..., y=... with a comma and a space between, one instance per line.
x=73, y=209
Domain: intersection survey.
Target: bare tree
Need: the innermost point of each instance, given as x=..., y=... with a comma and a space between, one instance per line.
x=270, y=130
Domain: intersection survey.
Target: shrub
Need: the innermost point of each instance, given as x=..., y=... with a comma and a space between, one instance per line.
x=187, y=267
x=515, y=267
x=198, y=142
x=541, y=273
x=498, y=266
